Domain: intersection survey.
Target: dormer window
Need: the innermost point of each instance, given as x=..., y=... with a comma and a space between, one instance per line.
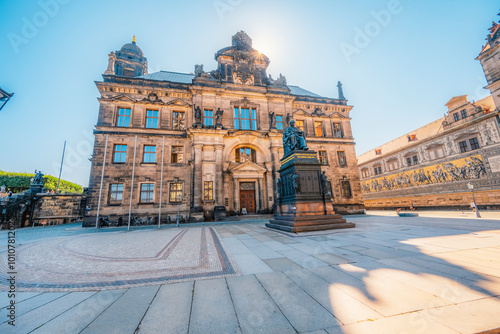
x=463, y=113
x=456, y=117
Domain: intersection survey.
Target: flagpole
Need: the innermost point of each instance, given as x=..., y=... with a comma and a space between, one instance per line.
x=60, y=170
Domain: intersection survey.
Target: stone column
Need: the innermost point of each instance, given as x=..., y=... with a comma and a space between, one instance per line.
x=197, y=186
x=261, y=193
x=275, y=167
x=219, y=200
x=235, y=194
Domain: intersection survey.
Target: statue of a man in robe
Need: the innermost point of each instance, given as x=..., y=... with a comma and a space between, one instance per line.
x=294, y=139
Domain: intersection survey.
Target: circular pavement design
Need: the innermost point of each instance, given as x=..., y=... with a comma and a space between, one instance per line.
x=116, y=260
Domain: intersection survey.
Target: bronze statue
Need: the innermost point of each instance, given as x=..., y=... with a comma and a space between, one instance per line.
x=295, y=182
x=278, y=187
x=324, y=184
x=38, y=178
x=294, y=139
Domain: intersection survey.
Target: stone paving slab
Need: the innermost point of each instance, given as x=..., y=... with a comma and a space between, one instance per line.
x=31, y=320
x=344, y=307
x=30, y=304
x=170, y=310
x=212, y=309
x=125, y=314
x=256, y=311
x=303, y=312
x=75, y=319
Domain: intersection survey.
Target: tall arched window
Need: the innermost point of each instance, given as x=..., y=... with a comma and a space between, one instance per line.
x=244, y=154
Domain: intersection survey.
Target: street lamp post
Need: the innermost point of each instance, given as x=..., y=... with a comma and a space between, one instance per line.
x=179, y=197
x=471, y=187
x=4, y=97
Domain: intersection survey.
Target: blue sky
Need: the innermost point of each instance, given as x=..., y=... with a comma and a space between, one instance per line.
x=399, y=61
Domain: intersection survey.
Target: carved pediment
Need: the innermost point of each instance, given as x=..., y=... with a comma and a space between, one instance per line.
x=248, y=167
x=300, y=112
x=465, y=135
x=178, y=102
x=337, y=115
x=123, y=97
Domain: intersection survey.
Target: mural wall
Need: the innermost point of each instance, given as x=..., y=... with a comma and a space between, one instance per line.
x=469, y=168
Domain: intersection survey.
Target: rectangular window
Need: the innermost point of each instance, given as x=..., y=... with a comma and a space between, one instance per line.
x=120, y=154
x=177, y=154
x=337, y=131
x=300, y=124
x=208, y=191
x=463, y=146
x=318, y=129
x=245, y=119
x=474, y=144
x=147, y=192
x=175, y=192
x=456, y=117
x=392, y=165
x=346, y=189
x=208, y=117
x=178, y=120
x=463, y=113
x=123, y=117
x=323, y=158
x=436, y=153
x=149, y=154
x=152, y=119
x=115, y=193
x=377, y=170
x=415, y=160
x=342, y=159
x=279, y=122
x=412, y=160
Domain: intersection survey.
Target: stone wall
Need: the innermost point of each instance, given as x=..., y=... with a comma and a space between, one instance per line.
x=58, y=208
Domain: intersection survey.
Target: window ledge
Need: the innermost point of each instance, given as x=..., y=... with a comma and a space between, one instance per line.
x=148, y=164
x=118, y=163
x=146, y=203
x=115, y=204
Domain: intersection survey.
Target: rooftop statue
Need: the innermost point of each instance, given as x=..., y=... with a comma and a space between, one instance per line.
x=294, y=139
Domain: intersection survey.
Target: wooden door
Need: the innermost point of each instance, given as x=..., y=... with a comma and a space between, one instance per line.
x=247, y=200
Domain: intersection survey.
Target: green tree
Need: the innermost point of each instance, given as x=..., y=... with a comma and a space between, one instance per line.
x=18, y=182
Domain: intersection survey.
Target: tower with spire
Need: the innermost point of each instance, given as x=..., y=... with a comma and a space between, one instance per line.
x=489, y=58
x=129, y=61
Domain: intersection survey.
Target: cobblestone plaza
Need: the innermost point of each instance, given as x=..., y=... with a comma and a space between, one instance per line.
x=390, y=274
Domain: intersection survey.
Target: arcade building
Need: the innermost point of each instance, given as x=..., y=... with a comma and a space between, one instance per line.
x=209, y=144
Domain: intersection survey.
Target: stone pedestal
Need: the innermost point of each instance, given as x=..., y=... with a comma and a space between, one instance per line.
x=304, y=203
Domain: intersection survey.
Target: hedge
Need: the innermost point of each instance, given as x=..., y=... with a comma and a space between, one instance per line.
x=18, y=182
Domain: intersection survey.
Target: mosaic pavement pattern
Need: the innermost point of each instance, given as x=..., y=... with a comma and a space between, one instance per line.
x=120, y=260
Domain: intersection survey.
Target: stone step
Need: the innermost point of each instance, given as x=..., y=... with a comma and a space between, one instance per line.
x=307, y=218
x=310, y=228
x=307, y=223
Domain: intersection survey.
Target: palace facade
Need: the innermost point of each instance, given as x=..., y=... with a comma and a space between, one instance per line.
x=209, y=143
x=433, y=166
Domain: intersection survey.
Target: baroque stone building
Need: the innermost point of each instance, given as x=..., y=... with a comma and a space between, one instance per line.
x=209, y=141
x=433, y=165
